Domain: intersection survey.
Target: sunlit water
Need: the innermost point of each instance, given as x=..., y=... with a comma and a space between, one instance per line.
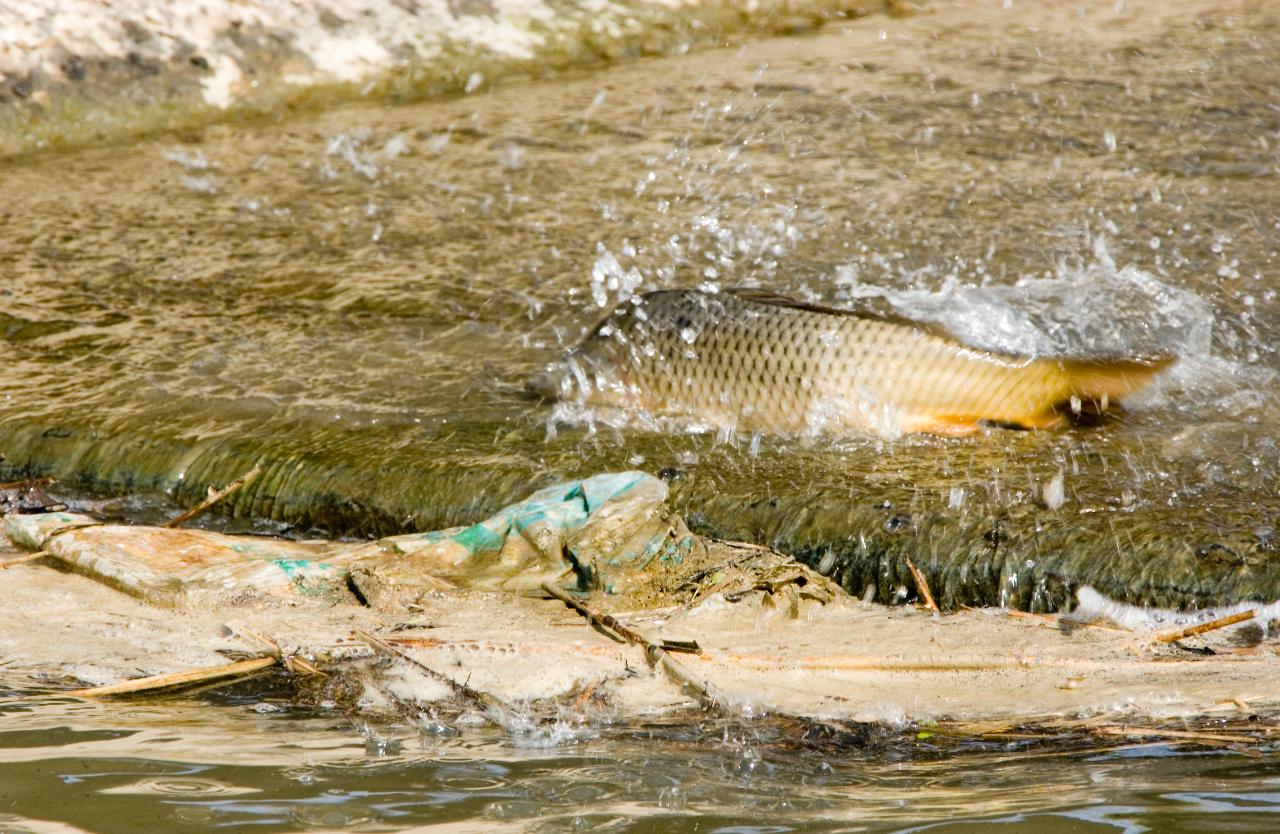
x=357, y=298
x=177, y=767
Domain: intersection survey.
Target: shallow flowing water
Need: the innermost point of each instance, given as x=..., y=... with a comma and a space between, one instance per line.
x=186, y=766
x=357, y=299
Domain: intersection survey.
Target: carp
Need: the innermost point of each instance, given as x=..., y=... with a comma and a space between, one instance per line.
x=754, y=361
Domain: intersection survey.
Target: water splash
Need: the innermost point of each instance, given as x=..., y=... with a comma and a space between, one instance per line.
x=1093, y=604
x=1089, y=311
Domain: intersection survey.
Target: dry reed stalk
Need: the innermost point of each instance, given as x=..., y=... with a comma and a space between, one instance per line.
x=207, y=673
x=1055, y=621
x=653, y=652
x=868, y=663
x=215, y=496
x=1212, y=625
x=922, y=585
x=22, y=560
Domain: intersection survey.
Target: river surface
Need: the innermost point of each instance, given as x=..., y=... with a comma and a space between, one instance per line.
x=256, y=766
x=358, y=297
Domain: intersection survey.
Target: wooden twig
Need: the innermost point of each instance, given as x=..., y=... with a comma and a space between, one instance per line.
x=482, y=701
x=1212, y=625
x=653, y=652
x=215, y=496
x=207, y=673
x=22, y=560
x=922, y=585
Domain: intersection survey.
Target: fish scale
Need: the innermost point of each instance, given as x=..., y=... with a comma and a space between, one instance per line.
x=749, y=360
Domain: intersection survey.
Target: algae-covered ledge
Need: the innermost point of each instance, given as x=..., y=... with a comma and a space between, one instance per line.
x=82, y=73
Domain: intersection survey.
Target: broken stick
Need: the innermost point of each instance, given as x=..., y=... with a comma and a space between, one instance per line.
x=215, y=496
x=1212, y=625
x=655, y=653
x=922, y=585
x=207, y=673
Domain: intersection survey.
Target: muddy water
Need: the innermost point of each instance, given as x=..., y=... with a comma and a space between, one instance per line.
x=357, y=298
x=173, y=767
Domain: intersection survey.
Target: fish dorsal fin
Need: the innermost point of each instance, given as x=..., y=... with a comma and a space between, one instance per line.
x=879, y=309
x=876, y=309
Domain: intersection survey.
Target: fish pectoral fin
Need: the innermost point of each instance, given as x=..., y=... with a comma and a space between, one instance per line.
x=940, y=424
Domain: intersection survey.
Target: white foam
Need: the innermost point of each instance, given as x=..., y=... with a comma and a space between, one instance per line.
x=1092, y=604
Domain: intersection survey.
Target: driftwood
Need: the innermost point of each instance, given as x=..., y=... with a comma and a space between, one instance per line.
x=292, y=662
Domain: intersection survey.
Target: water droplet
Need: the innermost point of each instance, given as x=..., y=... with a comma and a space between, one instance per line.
x=1054, y=492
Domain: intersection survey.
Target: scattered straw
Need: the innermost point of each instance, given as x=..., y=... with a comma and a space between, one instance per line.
x=1183, y=735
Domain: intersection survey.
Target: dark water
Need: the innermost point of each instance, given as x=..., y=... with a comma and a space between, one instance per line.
x=356, y=299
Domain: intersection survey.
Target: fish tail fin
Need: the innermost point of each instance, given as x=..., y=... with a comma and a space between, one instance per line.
x=1097, y=385
x=1113, y=378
